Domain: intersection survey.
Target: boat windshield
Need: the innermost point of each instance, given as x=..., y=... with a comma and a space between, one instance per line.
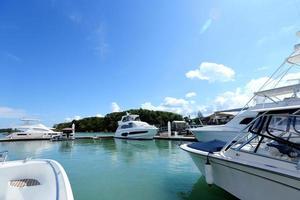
x=130, y=118
x=276, y=136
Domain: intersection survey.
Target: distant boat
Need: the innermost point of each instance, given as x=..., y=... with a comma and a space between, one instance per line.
x=131, y=127
x=32, y=129
x=33, y=180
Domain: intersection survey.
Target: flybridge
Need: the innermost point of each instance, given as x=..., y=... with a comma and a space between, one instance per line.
x=28, y=121
x=290, y=89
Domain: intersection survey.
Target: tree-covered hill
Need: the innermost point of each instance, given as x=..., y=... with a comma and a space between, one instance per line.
x=109, y=123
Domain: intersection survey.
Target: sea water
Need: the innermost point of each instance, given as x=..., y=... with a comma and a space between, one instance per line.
x=112, y=169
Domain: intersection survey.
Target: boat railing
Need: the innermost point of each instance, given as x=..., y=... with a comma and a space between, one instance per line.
x=3, y=156
x=273, y=135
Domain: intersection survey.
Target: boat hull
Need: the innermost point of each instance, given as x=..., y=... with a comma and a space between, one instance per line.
x=209, y=135
x=247, y=182
x=32, y=136
x=137, y=134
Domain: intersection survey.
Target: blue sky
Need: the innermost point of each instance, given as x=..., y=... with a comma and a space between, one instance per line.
x=63, y=59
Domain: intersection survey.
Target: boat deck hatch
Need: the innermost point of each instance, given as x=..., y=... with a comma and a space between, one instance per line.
x=24, y=182
x=211, y=146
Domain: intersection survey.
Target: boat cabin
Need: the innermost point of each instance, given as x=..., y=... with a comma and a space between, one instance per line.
x=275, y=136
x=129, y=117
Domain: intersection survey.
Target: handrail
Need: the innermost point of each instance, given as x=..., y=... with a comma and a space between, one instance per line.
x=56, y=179
x=3, y=156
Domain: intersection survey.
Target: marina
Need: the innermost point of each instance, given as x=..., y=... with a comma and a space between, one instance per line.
x=143, y=100
x=102, y=169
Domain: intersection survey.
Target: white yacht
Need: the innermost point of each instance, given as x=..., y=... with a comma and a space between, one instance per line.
x=33, y=180
x=241, y=121
x=224, y=132
x=267, y=99
x=263, y=163
x=131, y=127
x=30, y=131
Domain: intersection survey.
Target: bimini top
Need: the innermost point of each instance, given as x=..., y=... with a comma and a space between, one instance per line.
x=290, y=89
x=128, y=117
x=295, y=57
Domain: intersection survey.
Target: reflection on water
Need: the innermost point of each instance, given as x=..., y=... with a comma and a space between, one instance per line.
x=22, y=150
x=122, y=169
x=203, y=191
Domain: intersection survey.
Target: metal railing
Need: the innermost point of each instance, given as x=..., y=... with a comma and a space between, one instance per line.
x=3, y=156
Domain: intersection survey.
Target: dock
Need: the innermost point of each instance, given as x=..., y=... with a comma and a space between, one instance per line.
x=76, y=138
x=158, y=137
x=176, y=138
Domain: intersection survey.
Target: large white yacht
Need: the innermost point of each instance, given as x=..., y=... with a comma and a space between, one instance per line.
x=263, y=163
x=32, y=129
x=33, y=180
x=131, y=127
x=268, y=99
x=241, y=121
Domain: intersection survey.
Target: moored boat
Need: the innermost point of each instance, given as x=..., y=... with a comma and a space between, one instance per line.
x=131, y=127
x=261, y=163
x=32, y=130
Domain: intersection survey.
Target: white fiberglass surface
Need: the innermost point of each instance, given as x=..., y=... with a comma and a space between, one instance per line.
x=17, y=170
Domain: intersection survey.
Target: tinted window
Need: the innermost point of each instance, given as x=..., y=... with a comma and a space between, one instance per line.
x=124, y=126
x=247, y=120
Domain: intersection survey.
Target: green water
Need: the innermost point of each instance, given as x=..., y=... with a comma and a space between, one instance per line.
x=122, y=169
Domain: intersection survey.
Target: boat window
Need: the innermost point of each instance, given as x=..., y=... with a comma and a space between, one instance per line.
x=247, y=120
x=252, y=144
x=275, y=136
x=21, y=134
x=242, y=141
x=124, y=126
x=125, y=119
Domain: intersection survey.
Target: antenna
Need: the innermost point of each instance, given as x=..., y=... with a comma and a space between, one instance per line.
x=28, y=120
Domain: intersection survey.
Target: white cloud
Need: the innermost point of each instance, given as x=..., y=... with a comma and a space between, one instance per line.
x=241, y=95
x=176, y=105
x=76, y=117
x=214, y=14
x=227, y=100
x=99, y=115
x=263, y=68
x=206, y=25
x=212, y=72
x=286, y=31
x=101, y=47
x=171, y=101
x=75, y=17
x=190, y=95
x=115, y=107
x=12, y=57
x=7, y=112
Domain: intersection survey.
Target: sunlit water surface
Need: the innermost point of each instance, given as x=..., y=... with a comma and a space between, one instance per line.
x=122, y=169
